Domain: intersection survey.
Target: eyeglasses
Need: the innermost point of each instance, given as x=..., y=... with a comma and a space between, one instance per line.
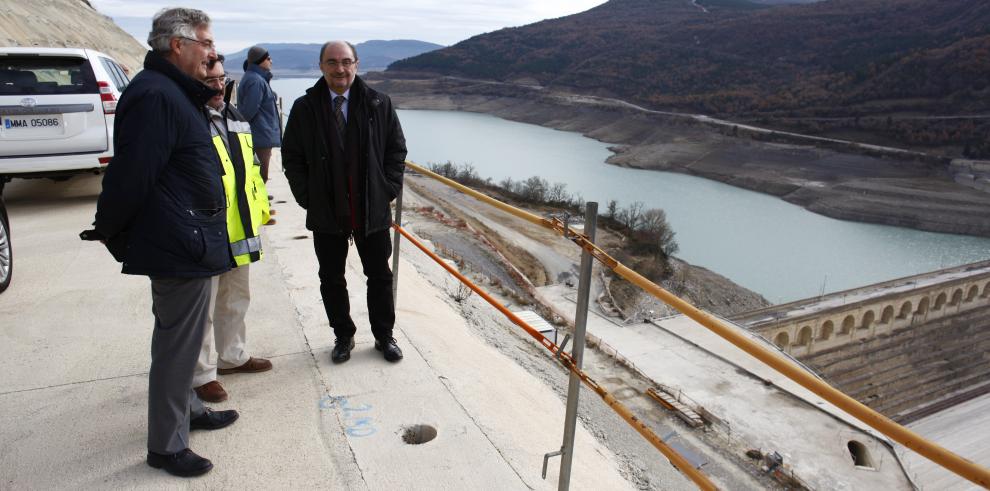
x=222, y=80
x=206, y=43
x=346, y=63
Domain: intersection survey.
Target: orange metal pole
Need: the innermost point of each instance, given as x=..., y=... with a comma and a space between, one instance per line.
x=676, y=459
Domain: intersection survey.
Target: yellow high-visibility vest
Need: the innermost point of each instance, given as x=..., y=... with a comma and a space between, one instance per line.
x=247, y=198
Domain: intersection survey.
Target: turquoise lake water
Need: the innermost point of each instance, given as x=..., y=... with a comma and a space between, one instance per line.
x=761, y=242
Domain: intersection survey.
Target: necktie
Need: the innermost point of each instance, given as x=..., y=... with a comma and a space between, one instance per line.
x=338, y=114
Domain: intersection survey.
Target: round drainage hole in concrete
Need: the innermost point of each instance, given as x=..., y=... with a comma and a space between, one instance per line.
x=419, y=434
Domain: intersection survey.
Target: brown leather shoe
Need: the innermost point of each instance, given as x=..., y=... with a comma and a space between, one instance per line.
x=211, y=392
x=253, y=365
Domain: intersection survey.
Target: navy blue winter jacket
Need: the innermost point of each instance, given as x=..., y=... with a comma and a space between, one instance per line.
x=256, y=101
x=163, y=201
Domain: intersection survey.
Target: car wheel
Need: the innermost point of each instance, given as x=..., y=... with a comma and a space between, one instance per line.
x=6, y=251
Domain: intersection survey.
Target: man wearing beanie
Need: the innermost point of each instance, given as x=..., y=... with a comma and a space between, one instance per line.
x=256, y=102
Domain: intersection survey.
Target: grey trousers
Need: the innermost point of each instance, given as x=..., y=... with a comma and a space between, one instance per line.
x=182, y=308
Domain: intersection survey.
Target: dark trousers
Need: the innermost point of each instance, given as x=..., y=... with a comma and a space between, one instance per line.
x=265, y=155
x=182, y=309
x=375, y=249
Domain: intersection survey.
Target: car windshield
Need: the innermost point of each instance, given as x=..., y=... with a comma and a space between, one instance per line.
x=41, y=75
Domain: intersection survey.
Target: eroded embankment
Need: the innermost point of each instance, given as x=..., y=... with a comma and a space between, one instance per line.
x=544, y=259
x=871, y=185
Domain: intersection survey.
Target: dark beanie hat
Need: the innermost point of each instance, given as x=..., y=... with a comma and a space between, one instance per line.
x=256, y=55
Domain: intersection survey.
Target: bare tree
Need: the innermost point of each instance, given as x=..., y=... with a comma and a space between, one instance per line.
x=654, y=223
x=557, y=193
x=446, y=169
x=611, y=209
x=467, y=174
x=509, y=185
x=631, y=215
x=534, y=189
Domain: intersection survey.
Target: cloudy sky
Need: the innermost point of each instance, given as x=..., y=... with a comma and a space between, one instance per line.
x=240, y=24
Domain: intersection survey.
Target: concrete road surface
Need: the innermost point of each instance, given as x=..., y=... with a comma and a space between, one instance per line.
x=74, y=356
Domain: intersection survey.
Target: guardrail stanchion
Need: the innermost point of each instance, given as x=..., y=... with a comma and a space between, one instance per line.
x=577, y=352
x=395, y=249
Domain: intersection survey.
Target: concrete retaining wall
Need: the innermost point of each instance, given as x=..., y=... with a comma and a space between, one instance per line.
x=909, y=368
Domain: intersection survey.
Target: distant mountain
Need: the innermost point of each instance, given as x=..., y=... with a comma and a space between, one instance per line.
x=377, y=55
x=302, y=59
x=738, y=59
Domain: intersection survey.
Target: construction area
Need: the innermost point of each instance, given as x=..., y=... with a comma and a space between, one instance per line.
x=476, y=403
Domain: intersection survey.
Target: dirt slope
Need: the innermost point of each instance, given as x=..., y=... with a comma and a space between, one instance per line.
x=67, y=23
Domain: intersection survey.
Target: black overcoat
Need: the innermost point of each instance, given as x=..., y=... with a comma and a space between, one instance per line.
x=307, y=162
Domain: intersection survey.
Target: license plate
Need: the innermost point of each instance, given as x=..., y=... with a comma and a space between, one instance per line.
x=34, y=125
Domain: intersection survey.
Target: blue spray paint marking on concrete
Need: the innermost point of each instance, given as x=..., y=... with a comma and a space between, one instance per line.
x=355, y=425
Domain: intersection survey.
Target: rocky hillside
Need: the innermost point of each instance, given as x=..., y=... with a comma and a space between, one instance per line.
x=67, y=23
x=777, y=65
x=700, y=286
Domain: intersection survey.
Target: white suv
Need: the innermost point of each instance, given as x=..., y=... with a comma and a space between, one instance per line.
x=56, y=111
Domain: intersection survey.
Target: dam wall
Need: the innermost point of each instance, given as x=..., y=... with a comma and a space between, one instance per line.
x=906, y=347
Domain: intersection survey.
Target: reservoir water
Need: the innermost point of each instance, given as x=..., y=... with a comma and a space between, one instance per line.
x=759, y=241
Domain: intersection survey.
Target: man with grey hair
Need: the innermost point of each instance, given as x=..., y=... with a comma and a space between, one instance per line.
x=162, y=213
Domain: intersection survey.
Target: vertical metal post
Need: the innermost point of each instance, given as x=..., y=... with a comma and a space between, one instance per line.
x=577, y=352
x=395, y=248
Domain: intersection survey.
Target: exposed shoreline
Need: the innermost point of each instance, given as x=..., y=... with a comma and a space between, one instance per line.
x=847, y=181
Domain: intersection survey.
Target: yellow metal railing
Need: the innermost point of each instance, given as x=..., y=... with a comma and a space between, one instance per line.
x=930, y=450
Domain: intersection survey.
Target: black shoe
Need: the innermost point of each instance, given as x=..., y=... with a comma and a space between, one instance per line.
x=184, y=463
x=213, y=420
x=389, y=348
x=342, y=350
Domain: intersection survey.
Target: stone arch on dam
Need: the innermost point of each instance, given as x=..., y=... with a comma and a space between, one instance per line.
x=861, y=321
x=883, y=342
x=906, y=309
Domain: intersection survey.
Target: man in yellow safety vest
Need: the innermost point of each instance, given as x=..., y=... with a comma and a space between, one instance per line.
x=247, y=210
